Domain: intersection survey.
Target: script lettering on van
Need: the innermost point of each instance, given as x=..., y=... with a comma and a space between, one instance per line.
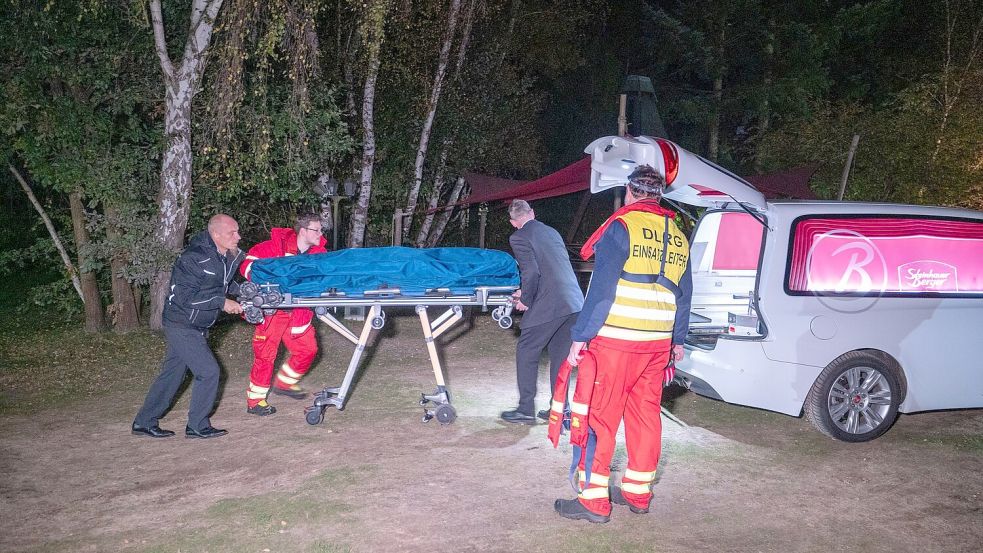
x=845, y=261
x=927, y=275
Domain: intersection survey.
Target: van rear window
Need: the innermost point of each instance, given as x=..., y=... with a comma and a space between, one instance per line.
x=892, y=255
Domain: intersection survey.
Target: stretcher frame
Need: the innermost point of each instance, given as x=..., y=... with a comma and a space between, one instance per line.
x=267, y=297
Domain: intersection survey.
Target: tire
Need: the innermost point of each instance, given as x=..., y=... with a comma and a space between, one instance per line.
x=445, y=414
x=856, y=397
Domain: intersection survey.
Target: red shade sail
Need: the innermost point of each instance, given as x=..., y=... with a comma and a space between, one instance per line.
x=792, y=184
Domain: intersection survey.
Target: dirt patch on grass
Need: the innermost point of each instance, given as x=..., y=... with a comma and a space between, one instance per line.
x=375, y=478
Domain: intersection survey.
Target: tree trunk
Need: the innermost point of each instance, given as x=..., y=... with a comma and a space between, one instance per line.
x=180, y=86
x=713, y=141
x=438, y=83
x=175, y=193
x=374, y=32
x=952, y=79
x=441, y=223
x=438, y=189
x=124, y=314
x=764, y=110
x=465, y=37
x=95, y=319
x=509, y=31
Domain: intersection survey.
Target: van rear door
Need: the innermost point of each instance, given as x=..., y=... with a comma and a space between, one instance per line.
x=690, y=179
x=724, y=253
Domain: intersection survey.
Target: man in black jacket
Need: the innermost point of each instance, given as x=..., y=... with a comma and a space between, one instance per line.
x=551, y=299
x=200, y=280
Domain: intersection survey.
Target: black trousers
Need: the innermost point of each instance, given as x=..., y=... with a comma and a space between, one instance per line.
x=553, y=336
x=187, y=348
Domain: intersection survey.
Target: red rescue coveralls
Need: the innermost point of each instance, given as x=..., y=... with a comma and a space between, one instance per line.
x=628, y=358
x=291, y=326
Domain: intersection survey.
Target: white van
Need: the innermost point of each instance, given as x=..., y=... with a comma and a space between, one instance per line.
x=850, y=312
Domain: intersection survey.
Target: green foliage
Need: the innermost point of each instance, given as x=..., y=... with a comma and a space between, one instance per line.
x=79, y=111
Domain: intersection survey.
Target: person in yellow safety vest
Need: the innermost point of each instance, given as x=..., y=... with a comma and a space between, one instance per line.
x=634, y=320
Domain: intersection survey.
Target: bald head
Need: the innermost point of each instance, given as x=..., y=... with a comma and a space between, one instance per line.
x=224, y=232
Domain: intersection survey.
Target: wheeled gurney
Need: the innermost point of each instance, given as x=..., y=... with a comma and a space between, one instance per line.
x=380, y=278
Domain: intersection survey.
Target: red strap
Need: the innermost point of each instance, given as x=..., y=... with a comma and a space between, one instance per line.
x=559, y=396
x=650, y=206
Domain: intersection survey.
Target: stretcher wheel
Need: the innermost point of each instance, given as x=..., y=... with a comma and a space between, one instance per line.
x=445, y=414
x=274, y=298
x=378, y=322
x=248, y=290
x=497, y=314
x=314, y=416
x=254, y=315
x=505, y=322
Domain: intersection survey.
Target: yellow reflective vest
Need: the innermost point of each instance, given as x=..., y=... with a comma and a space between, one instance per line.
x=644, y=307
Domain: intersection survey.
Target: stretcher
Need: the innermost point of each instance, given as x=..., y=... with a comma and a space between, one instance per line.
x=378, y=279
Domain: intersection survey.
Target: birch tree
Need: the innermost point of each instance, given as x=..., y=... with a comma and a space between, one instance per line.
x=955, y=74
x=373, y=32
x=431, y=113
x=181, y=83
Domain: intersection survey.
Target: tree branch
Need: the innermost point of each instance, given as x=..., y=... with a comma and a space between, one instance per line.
x=160, y=44
x=51, y=230
x=197, y=9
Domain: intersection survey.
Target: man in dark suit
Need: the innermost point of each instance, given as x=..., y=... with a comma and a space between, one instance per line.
x=550, y=298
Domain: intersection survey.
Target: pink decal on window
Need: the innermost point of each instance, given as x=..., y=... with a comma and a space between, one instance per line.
x=887, y=255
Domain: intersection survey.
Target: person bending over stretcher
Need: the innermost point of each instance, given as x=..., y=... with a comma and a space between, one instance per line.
x=291, y=326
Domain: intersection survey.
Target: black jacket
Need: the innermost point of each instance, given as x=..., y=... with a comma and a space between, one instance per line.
x=200, y=280
x=549, y=286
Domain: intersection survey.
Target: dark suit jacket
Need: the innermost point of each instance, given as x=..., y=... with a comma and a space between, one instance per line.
x=549, y=286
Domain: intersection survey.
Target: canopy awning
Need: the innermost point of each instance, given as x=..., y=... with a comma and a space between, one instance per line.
x=791, y=184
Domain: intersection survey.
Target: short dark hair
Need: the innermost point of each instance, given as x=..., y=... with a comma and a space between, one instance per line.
x=646, y=182
x=305, y=219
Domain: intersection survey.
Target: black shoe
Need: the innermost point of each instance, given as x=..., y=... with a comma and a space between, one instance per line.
x=574, y=509
x=295, y=394
x=543, y=414
x=618, y=499
x=261, y=410
x=515, y=417
x=207, y=432
x=151, y=431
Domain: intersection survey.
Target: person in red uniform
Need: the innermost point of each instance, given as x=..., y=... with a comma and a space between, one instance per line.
x=635, y=317
x=293, y=327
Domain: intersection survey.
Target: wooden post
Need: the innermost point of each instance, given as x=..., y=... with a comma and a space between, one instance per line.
x=398, y=227
x=622, y=131
x=623, y=115
x=335, y=200
x=849, y=163
x=482, y=220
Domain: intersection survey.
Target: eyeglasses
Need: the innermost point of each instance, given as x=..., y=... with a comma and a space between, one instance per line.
x=317, y=230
